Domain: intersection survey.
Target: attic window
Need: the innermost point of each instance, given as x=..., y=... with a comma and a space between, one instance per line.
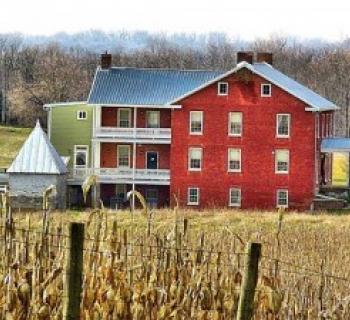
x=266, y=90
x=222, y=88
x=81, y=115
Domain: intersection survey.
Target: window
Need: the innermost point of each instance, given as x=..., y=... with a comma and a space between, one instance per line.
x=266, y=90
x=193, y=196
x=282, y=161
x=3, y=188
x=152, y=198
x=196, y=122
x=283, y=125
x=195, y=159
x=81, y=115
x=222, y=88
x=124, y=156
x=235, y=197
x=234, y=160
x=282, y=198
x=80, y=156
x=124, y=118
x=235, y=124
x=153, y=119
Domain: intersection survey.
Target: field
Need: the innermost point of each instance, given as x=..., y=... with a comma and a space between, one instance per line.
x=166, y=268
x=11, y=139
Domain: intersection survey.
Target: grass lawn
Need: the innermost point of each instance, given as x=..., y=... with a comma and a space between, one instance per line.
x=11, y=140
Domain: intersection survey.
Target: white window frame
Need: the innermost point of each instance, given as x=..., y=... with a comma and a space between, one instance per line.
x=129, y=117
x=228, y=160
x=3, y=188
x=262, y=89
x=278, y=135
x=229, y=124
x=81, y=112
x=196, y=132
x=158, y=117
x=192, y=203
x=84, y=148
x=189, y=159
x=278, y=205
x=123, y=146
x=231, y=204
x=276, y=162
x=219, y=84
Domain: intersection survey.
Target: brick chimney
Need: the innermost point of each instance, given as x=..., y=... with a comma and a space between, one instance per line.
x=265, y=57
x=106, y=60
x=246, y=56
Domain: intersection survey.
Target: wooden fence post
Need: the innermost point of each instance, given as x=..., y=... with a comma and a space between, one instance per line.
x=250, y=279
x=74, y=273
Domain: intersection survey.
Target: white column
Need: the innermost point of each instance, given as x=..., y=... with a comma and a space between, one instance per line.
x=134, y=157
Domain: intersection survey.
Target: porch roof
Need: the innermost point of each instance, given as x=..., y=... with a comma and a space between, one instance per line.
x=335, y=144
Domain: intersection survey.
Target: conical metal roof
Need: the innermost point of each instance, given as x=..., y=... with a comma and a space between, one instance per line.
x=38, y=155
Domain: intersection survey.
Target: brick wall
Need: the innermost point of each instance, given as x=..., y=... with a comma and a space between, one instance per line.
x=257, y=180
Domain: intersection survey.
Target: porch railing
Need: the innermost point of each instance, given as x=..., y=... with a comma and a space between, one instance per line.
x=114, y=174
x=136, y=133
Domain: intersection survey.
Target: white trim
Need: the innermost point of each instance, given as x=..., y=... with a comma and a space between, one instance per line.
x=129, y=117
x=157, y=158
x=189, y=159
x=229, y=124
x=236, y=205
x=281, y=135
x=276, y=162
x=62, y=104
x=228, y=160
x=49, y=123
x=82, y=146
x=219, y=84
x=262, y=94
x=119, y=146
x=190, y=128
x=141, y=106
x=158, y=113
x=277, y=198
x=189, y=203
x=83, y=112
x=250, y=67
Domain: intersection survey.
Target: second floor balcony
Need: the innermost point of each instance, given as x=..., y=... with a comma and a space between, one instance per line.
x=122, y=175
x=144, y=135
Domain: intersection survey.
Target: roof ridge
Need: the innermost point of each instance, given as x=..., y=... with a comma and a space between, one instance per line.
x=162, y=69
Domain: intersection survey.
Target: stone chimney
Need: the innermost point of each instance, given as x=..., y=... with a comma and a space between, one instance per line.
x=246, y=56
x=106, y=60
x=265, y=57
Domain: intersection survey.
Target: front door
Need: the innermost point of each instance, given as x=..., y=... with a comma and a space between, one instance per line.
x=152, y=160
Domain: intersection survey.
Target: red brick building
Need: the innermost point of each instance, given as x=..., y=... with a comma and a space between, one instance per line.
x=247, y=138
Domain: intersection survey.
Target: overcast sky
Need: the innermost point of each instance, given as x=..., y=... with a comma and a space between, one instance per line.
x=247, y=19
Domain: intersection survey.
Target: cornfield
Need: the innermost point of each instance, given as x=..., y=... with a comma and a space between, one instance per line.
x=181, y=265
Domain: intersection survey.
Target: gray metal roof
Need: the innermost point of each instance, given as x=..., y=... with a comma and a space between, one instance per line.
x=37, y=155
x=130, y=86
x=293, y=87
x=335, y=145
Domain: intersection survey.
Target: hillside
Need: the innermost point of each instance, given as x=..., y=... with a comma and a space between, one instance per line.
x=11, y=139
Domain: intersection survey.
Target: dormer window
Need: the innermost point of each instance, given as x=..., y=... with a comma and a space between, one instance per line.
x=222, y=88
x=266, y=90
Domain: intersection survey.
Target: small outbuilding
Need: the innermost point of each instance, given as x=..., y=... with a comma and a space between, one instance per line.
x=36, y=167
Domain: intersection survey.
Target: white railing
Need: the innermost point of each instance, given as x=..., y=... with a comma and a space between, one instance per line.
x=114, y=174
x=136, y=133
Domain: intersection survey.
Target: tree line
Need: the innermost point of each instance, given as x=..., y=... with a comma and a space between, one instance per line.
x=34, y=74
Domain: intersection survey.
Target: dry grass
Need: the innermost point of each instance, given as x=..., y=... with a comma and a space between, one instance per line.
x=11, y=139
x=172, y=275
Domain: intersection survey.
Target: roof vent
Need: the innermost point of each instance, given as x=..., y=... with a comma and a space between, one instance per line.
x=265, y=57
x=106, y=60
x=246, y=56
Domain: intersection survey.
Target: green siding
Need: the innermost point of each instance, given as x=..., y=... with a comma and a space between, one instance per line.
x=67, y=130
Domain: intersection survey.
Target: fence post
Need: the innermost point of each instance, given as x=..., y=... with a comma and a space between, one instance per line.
x=250, y=279
x=74, y=272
